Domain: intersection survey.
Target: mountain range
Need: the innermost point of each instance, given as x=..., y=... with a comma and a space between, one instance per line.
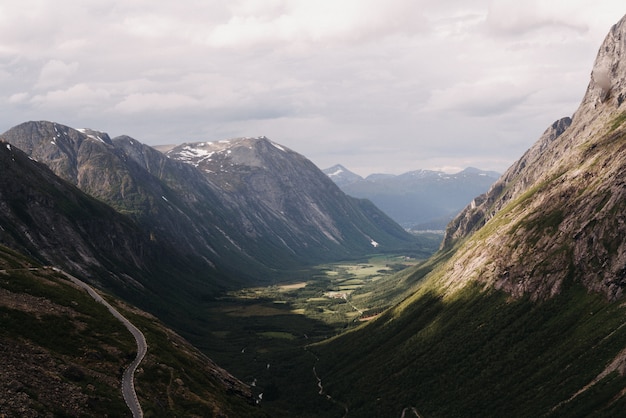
x=519, y=313
x=420, y=199
x=167, y=234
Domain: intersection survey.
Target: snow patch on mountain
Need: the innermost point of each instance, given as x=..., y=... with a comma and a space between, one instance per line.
x=275, y=145
x=89, y=133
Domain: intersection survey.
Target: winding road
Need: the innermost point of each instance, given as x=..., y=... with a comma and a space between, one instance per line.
x=413, y=410
x=128, y=378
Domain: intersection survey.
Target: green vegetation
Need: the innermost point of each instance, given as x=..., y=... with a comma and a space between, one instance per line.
x=175, y=379
x=481, y=354
x=82, y=341
x=67, y=352
x=260, y=334
x=617, y=122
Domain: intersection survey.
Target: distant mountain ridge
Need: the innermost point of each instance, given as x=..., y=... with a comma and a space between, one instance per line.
x=419, y=199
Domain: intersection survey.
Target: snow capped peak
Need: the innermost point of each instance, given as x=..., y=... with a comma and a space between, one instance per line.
x=277, y=146
x=336, y=172
x=98, y=136
x=194, y=154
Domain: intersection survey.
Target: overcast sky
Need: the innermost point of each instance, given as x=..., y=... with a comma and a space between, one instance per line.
x=380, y=86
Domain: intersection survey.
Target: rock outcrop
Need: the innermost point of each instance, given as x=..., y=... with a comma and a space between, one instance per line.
x=559, y=212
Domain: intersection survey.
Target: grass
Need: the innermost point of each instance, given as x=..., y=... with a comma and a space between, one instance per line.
x=79, y=336
x=88, y=348
x=479, y=354
x=250, y=328
x=617, y=122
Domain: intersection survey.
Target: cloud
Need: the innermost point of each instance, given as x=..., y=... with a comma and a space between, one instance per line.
x=302, y=22
x=514, y=18
x=18, y=98
x=55, y=72
x=395, y=82
x=77, y=96
x=156, y=102
x=483, y=98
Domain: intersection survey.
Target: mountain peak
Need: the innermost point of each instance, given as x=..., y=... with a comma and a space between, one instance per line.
x=341, y=175
x=553, y=211
x=607, y=86
x=608, y=77
x=217, y=156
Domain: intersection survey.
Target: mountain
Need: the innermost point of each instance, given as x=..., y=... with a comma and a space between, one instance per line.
x=281, y=200
x=341, y=176
x=521, y=313
x=420, y=199
x=270, y=210
x=54, y=222
x=63, y=353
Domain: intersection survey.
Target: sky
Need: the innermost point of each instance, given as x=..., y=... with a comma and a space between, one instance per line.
x=379, y=86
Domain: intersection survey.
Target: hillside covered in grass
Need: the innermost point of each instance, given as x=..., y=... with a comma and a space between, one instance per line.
x=522, y=311
x=63, y=354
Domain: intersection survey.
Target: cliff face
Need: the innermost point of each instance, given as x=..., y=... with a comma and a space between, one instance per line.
x=559, y=212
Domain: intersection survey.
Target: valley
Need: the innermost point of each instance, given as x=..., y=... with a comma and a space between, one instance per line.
x=260, y=288
x=262, y=333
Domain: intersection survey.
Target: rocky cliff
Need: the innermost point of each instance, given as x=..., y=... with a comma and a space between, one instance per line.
x=559, y=212
x=53, y=221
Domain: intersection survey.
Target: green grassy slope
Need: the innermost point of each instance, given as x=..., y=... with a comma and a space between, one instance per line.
x=482, y=354
x=63, y=353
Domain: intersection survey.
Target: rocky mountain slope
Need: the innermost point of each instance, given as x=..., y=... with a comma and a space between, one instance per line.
x=63, y=354
x=272, y=209
x=521, y=312
x=54, y=222
x=559, y=211
x=282, y=199
x=420, y=199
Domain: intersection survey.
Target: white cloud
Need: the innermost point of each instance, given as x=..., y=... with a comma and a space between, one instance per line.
x=77, y=96
x=483, y=98
x=302, y=21
x=515, y=17
x=147, y=102
x=55, y=72
x=19, y=98
x=394, y=83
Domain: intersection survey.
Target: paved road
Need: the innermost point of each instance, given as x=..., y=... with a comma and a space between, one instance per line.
x=128, y=381
x=413, y=410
